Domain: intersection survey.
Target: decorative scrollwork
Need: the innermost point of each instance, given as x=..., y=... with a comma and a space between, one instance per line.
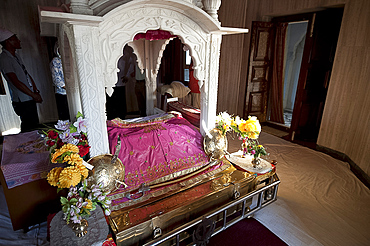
x=203, y=232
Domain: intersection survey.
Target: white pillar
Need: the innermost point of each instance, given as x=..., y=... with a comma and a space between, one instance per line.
x=72, y=87
x=85, y=47
x=209, y=90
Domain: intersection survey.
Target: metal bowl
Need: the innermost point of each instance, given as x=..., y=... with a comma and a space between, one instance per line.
x=109, y=174
x=215, y=144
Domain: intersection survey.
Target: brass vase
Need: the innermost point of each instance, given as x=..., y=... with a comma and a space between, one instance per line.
x=256, y=162
x=80, y=229
x=215, y=144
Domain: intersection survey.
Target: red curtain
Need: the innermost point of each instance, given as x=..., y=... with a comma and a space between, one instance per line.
x=277, y=83
x=154, y=35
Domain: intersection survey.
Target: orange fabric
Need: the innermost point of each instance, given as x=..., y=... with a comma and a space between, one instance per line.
x=193, y=82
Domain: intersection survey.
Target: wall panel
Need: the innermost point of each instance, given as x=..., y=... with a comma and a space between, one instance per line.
x=345, y=123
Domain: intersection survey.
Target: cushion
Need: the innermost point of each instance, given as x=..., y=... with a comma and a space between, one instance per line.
x=175, y=89
x=179, y=89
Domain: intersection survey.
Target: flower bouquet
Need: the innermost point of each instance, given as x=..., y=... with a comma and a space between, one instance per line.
x=248, y=131
x=68, y=147
x=68, y=144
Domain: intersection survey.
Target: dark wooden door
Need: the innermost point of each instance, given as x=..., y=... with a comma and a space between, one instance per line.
x=259, y=70
x=317, y=62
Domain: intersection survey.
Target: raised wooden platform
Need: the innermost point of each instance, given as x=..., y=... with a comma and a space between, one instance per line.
x=174, y=218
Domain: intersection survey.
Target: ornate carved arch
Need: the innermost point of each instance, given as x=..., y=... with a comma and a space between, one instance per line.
x=121, y=27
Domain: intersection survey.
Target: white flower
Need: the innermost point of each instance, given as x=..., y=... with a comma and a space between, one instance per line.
x=238, y=120
x=75, y=219
x=81, y=124
x=62, y=125
x=66, y=136
x=74, y=141
x=224, y=119
x=107, y=212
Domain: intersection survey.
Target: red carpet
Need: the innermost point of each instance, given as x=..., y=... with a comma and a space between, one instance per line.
x=246, y=232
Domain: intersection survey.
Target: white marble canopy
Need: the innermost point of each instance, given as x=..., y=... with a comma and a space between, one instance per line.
x=92, y=38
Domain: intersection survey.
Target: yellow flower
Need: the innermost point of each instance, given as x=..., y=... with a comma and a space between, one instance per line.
x=252, y=127
x=89, y=204
x=82, y=169
x=70, y=147
x=233, y=123
x=53, y=176
x=69, y=176
x=253, y=135
x=65, y=148
x=73, y=159
x=55, y=156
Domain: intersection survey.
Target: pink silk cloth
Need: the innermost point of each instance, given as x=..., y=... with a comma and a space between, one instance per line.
x=156, y=149
x=24, y=158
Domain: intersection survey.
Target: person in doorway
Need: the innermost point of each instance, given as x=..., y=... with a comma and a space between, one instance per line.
x=194, y=88
x=140, y=90
x=59, y=85
x=22, y=87
x=116, y=106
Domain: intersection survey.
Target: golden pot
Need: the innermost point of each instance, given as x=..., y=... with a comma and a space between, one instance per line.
x=110, y=175
x=215, y=144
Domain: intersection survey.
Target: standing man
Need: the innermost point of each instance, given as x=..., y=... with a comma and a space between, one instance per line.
x=116, y=106
x=22, y=87
x=140, y=90
x=57, y=76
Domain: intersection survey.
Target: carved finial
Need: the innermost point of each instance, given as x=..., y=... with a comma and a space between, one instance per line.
x=211, y=7
x=198, y=3
x=81, y=7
